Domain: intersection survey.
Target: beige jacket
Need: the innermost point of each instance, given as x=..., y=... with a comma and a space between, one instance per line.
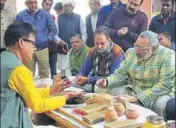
x=7, y=17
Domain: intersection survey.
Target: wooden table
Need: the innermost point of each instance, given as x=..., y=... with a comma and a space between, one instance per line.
x=72, y=120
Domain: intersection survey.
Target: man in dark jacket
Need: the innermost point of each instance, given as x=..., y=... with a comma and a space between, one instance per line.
x=91, y=21
x=106, y=10
x=126, y=23
x=165, y=21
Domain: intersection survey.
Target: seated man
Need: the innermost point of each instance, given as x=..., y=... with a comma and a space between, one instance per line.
x=18, y=92
x=165, y=40
x=102, y=60
x=76, y=55
x=149, y=69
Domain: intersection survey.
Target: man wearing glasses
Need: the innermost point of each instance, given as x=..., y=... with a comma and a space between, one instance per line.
x=126, y=23
x=147, y=73
x=45, y=32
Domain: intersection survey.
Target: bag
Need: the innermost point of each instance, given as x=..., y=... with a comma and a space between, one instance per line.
x=62, y=50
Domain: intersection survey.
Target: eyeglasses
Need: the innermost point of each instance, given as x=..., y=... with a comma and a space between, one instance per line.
x=141, y=48
x=30, y=41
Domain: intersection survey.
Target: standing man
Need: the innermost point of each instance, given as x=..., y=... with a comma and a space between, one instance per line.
x=46, y=5
x=106, y=10
x=147, y=73
x=165, y=21
x=127, y=23
x=91, y=21
x=46, y=30
x=68, y=24
x=7, y=17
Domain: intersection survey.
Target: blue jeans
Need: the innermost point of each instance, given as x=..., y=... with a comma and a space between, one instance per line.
x=53, y=63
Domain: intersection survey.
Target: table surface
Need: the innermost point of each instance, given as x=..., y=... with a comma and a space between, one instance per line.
x=143, y=113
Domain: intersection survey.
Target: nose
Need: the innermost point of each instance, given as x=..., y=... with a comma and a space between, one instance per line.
x=137, y=50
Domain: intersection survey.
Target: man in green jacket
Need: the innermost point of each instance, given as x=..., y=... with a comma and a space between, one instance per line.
x=148, y=73
x=76, y=55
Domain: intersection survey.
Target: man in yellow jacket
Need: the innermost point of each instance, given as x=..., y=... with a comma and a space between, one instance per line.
x=18, y=91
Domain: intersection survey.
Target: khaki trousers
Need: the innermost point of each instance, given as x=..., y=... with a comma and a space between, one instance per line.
x=41, y=58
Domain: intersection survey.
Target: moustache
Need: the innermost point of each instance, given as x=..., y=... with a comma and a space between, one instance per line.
x=131, y=9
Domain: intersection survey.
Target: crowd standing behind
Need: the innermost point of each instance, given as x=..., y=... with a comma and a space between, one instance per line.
x=147, y=72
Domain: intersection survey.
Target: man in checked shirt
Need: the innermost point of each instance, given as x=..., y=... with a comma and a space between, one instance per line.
x=148, y=73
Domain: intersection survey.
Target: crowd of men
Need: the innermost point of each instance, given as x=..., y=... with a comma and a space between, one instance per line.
x=113, y=51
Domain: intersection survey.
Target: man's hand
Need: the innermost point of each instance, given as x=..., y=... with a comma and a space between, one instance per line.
x=60, y=86
x=101, y=83
x=81, y=80
x=123, y=31
x=69, y=95
x=62, y=43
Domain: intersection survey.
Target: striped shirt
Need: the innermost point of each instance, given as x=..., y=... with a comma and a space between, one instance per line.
x=150, y=79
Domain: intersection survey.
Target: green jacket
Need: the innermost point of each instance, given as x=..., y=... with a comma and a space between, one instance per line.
x=14, y=113
x=76, y=61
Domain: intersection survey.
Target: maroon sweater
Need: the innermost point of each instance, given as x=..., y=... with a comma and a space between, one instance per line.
x=121, y=18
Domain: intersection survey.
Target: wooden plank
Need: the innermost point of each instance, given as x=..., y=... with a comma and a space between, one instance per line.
x=94, y=117
x=123, y=124
x=74, y=118
x=60, y=121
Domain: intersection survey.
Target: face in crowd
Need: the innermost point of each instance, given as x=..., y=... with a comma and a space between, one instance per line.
x=166, y=7
x=101, y=42
x=94, y=6
x=28, y=47
x=68, y=8
x=143, y=49
x=32, y=5
x=76, y=43
x=47, y=4
x=133, y=6
x=164, y=40
x=2, y=3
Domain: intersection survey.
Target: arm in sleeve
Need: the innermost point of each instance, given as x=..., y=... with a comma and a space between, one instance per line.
x=52, y=30
x=165, y=84
x=101, y=17
x=21, y=81
x=57, y=27
x=151, y=27
x=142, y=27
x=86, y=67
x=109, y=23
x=83, y=30
x=116, y=63
x=120, y=76
x=68, y=69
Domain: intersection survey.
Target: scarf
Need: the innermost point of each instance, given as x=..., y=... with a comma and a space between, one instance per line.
x=99, y=59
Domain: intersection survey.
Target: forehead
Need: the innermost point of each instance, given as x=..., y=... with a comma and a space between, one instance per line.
x=48, y=1
x=31, y=1
x=143, y=42
x=100, y=37
x=92, y=1
x=75, y=38
x=166, y=2
x=136, y=1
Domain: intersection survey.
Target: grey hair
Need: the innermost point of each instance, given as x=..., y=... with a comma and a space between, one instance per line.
x=152, y=37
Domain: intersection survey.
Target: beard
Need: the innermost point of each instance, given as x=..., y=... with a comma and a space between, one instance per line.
x=144, y=58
